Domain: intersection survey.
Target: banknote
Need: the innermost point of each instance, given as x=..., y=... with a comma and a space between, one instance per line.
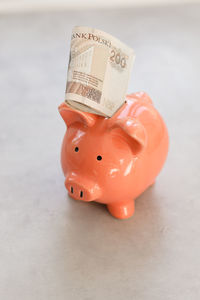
x=98, y=71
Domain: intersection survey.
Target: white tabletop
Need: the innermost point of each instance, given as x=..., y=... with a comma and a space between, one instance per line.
x=56, y=248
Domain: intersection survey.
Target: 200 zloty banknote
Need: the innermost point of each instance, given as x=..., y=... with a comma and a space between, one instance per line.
x=98, y=71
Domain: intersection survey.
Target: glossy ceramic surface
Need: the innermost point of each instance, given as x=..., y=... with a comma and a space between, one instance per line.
x=113, y=160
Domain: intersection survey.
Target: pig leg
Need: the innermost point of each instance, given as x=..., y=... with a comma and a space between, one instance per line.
x=122, y=210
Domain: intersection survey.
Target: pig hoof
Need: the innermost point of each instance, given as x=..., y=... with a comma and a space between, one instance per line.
x=122, y=211
x=152, y=183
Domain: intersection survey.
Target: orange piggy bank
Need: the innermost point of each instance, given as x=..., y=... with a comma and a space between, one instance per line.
x=113, y=160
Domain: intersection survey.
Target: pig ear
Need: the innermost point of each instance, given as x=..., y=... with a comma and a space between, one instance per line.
x=133, y=132
x=71, y=115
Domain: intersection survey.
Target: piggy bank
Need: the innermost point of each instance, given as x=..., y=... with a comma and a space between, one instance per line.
x=113, y=160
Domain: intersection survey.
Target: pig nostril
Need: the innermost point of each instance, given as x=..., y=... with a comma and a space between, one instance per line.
x=72, y=190
x=81, y=194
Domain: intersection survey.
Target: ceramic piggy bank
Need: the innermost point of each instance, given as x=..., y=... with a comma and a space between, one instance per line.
x=113, y=160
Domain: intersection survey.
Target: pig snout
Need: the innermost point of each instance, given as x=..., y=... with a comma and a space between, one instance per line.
x=82, y=190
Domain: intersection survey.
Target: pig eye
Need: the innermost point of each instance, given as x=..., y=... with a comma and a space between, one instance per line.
x=99, y=157
x=76, y=149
